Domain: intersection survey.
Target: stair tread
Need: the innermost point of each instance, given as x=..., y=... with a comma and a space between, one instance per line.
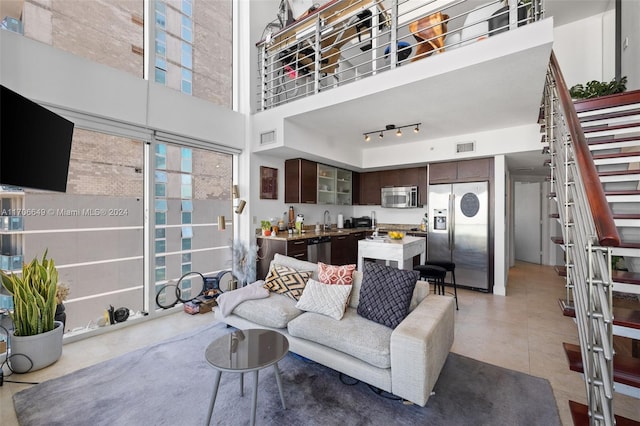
x=616, y=155
x=623, y=192
x=599, y=141
x=626, y=215
x=623, y=317
x=609, y=115
x=619, y=172
x=593, y=129
x=626, y=369
x=580, y=416
x=625, y=277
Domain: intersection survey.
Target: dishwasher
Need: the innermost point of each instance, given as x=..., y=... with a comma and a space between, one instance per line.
x=319, y=249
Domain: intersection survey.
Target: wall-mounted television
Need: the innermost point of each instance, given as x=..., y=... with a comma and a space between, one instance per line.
x=35, y=144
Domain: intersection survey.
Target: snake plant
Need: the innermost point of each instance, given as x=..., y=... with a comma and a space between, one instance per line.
x=34, y=296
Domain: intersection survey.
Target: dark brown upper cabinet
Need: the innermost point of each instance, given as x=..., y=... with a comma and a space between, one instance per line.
x=300, y=181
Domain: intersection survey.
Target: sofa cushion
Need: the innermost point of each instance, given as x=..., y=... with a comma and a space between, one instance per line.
x=274, y=311
x=297, y=264
x=287, y=281
x=326, y=299
x=333, y=274
x=385, y=295
x=353, y=335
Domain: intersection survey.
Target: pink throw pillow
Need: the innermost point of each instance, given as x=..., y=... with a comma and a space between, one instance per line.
x=332, y=274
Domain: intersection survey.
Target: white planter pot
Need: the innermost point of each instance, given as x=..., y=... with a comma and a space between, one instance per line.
x=41, y=350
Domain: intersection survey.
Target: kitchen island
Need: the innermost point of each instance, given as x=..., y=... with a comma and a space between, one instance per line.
x=400, y=251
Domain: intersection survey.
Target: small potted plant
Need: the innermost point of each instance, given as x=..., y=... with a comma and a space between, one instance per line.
x=266, y=228
x=36, y=340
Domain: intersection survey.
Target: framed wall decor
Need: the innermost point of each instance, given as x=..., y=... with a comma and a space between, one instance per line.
x=268, y=183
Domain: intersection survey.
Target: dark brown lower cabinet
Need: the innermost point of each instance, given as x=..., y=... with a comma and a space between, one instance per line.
x=267, y=249
x=344, y=248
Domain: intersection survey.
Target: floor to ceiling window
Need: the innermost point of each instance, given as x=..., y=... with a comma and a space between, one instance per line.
x=192, y=188
x=94, y=231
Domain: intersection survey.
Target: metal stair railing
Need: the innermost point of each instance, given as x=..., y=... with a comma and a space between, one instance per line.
x=588, y=235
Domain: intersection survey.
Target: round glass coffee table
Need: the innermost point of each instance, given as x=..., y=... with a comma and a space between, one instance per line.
x=245, y=351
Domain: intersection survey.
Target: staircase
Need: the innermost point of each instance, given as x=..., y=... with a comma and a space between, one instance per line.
x=594, y=148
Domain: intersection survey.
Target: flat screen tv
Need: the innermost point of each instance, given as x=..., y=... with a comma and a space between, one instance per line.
x=35, y=144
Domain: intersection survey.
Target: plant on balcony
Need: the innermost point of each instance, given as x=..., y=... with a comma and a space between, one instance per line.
x=594, y=88
x=34, y=300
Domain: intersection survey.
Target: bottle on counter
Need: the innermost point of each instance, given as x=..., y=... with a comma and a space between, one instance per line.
x=292, y=217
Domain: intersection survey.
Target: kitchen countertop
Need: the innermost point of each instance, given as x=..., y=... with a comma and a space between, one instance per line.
x=311, y=233
x=284, y=236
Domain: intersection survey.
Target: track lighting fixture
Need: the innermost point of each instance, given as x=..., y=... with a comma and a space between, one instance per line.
x=398, y=129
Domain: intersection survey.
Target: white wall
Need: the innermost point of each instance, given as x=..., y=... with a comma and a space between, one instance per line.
x=631, y=53
x=586, y=48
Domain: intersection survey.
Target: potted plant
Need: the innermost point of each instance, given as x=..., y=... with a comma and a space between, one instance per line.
x=266, y=227
x=595, y=89
x=36, y=340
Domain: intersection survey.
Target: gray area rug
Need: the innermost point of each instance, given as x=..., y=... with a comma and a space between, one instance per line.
x=170, y=383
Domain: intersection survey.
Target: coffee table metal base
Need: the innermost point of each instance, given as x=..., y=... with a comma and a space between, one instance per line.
x=254, y=397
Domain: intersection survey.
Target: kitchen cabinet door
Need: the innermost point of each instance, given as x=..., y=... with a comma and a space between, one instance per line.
x=300, y=181
x=474, y=169
x=370, y=188
x=443, y=172
x=267, y=249
x=340, y=249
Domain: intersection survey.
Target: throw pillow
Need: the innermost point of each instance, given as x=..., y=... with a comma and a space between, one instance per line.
x=285, y=280
x=333, y=274
x=326, y=299
x=385, y=294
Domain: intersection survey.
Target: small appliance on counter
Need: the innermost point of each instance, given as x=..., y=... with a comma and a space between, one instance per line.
x=361, y=222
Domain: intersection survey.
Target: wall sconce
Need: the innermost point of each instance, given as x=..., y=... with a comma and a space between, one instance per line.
x=240, y=207
x=222, y=223
x=388, y=127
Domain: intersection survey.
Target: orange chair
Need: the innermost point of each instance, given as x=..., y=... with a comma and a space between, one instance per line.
x=430, y=33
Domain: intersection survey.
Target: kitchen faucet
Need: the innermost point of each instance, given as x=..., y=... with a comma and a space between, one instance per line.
x=324, y=220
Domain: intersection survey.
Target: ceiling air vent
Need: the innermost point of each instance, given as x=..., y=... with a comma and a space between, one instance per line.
x=465, y=147
x=267, y=137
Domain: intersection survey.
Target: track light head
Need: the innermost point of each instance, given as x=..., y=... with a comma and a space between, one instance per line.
x=367, y=138
x=416, y=129
x=399, y=132
x=381, y=135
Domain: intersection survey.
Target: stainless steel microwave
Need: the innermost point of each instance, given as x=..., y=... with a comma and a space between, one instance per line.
x=400, y=197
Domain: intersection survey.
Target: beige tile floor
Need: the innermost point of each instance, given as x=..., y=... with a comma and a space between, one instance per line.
x=523, y=331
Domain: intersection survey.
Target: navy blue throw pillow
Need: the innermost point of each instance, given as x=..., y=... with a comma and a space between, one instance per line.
x=386, y=293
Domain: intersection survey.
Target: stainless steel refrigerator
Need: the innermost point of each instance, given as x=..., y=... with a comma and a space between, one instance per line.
x=459, y=230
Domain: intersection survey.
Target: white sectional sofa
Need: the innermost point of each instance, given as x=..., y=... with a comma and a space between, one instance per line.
x=405, y=361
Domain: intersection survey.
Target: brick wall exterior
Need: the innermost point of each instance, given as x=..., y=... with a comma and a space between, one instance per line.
x=100, y=30
x=103, y=164
x=110, y=32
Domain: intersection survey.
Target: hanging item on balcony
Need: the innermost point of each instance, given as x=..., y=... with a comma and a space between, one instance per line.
x=430, y=33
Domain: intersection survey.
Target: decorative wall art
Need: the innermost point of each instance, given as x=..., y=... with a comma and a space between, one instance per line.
x=268, y=183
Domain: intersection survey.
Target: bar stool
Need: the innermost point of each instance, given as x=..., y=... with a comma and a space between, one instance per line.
x=433, y=273
x=450, y=267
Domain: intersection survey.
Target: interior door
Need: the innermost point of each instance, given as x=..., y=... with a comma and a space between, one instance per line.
x=528, y=216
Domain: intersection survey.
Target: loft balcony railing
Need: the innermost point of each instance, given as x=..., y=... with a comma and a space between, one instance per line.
x=346, y=40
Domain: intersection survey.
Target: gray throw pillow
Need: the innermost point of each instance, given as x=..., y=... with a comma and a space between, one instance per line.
x=385, y=294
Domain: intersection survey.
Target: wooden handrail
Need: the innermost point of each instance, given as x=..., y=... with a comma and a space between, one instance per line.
x=602, y=217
